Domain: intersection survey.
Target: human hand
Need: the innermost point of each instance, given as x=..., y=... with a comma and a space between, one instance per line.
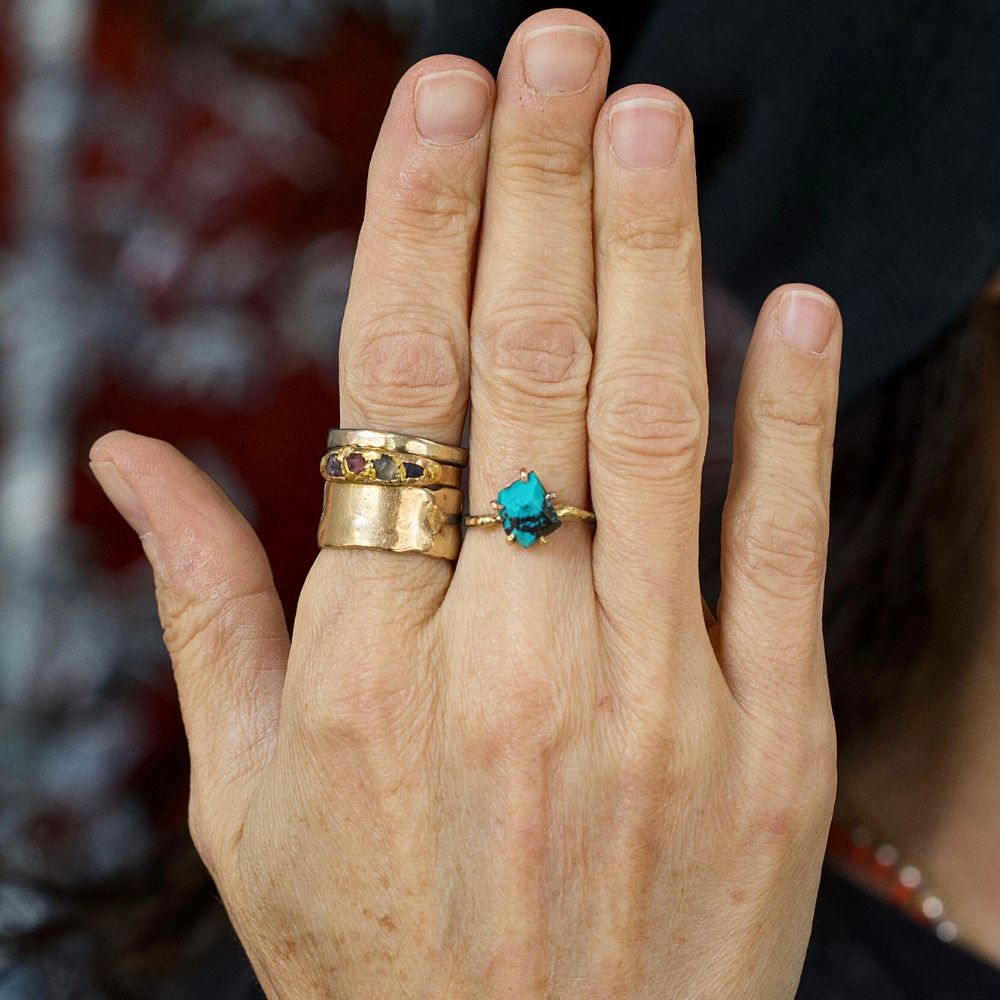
x=549, y=773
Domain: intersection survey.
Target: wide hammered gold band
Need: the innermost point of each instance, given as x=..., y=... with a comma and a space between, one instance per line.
x=411, y=519
x=393, y=492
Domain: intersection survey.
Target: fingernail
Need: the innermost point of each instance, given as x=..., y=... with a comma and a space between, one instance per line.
x=560, y=59
x=805, y=320
x=120, y=494
x=450, y=106
x=645, y=132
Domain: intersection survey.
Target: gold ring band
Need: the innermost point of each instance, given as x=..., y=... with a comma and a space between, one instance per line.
x=564, y=511
x=413, y=519
x=393, y=492
x=391, y=441
x=352, y=464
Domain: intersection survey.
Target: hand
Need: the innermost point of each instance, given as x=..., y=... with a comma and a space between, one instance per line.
x=547, y=774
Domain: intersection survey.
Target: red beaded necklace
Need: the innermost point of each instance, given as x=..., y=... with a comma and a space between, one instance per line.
x=860, y=851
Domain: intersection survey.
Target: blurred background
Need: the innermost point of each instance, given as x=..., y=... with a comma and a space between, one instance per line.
x=181, y=182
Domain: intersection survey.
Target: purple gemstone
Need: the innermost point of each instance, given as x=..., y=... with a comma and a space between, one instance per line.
x=333, y=466
x=355, y=462
x=413, y=471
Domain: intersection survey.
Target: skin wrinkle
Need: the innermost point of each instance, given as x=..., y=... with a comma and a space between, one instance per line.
x=546, y=352
x=541, y=367
x=547, y=293
x=410, y=361
x=501, y=783
x=430, y=204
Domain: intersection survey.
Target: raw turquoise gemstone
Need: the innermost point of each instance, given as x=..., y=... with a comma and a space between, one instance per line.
x=525, y=511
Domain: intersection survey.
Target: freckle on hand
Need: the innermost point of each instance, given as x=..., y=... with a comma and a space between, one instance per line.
x=778, y=824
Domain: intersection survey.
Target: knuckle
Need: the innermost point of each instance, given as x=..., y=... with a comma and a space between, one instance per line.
x=795, y=783
x=665, y=239
x=538, y=161
x=780, y=543
x=204, y=624
x=366, y=698
x=187, y=620
x=424, y=202
x=651, y=764
x=785, y=823
x=359, y=716
x=398, y=361
x=798, y=418
x=199, y=621
x=546, y=358
x=531, y=719
x=642, y=416
x=371, y=711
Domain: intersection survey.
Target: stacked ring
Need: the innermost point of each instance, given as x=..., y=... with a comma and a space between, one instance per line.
x=393, y=492
x=406, y=443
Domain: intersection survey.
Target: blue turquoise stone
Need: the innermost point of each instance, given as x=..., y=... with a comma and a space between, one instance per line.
x=525, y=511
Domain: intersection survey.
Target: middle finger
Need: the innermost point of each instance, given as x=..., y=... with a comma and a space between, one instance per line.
x=534, y=310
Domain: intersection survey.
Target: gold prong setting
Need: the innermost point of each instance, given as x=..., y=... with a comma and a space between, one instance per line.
x=527, y=512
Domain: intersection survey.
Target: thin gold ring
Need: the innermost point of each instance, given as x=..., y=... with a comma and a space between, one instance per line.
x=392, y=441
x=527, y=512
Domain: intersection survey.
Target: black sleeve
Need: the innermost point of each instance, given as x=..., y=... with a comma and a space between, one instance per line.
x=480, y=30
x=849, y=144
x=862, y=948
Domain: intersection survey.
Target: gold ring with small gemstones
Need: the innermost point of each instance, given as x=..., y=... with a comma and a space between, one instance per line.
x=352, y=464
x=527, y=512
x=423, y=514
x=394, y=441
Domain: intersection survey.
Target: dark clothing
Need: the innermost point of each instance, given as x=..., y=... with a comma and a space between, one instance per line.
x=845, y=143
x=864, y=949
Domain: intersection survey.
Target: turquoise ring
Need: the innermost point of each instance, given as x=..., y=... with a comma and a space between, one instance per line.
x=527, y=512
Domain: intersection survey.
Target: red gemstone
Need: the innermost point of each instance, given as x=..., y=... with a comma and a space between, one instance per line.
x=355, y=462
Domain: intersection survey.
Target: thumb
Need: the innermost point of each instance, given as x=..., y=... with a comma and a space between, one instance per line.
x=223, y=624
